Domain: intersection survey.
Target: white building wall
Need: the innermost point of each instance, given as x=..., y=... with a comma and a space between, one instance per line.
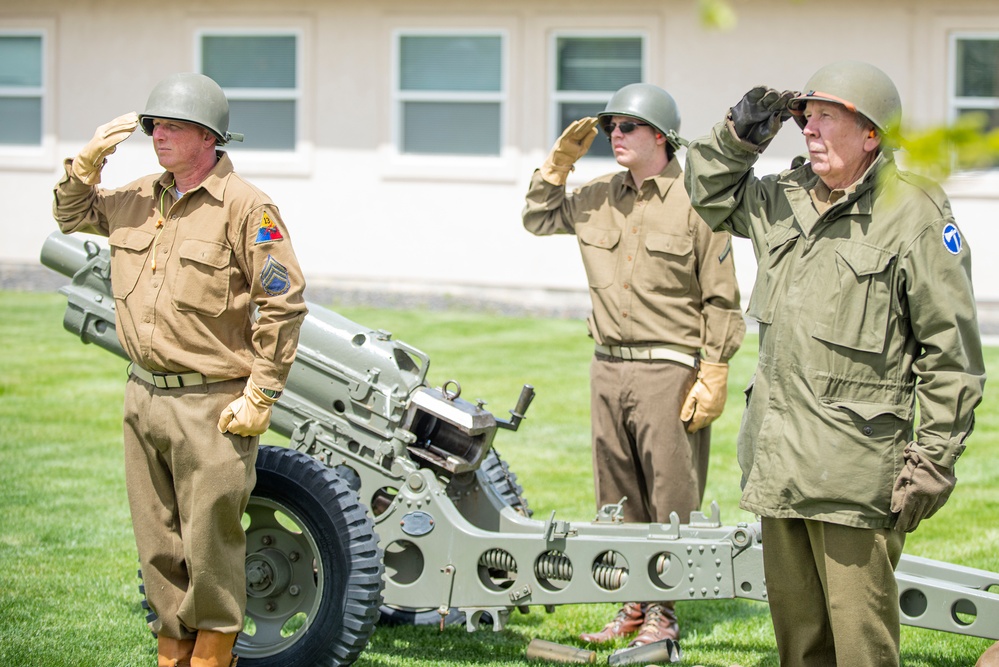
x=360, y=211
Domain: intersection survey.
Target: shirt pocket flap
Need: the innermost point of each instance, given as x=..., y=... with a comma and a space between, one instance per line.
x=597, y=237
x=671, y=244
x=209, y=253
x=864, y=260
x=869, y=411
x=778, y=235
x=127, y=238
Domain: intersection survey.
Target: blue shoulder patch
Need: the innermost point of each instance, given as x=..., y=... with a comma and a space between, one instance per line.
x=274, y=277
x=952, y=238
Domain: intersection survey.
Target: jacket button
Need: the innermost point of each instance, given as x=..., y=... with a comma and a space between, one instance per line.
x=868, y=430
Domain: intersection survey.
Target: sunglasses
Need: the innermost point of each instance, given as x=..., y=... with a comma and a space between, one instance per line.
x=627, y=127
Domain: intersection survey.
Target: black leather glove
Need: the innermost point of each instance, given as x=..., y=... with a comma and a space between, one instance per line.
x=759, y=115
x=921, y=489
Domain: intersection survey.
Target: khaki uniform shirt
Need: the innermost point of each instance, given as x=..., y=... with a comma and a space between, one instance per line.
x=188, y=273
x=657, y=273
x=865, y=310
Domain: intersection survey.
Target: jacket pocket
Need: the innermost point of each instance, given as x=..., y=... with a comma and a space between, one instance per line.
x=857, y=313
x=202, y=283
x=668, y=263
x=771, y=273
x=597, y=248
x=129, y=252
x=859, y=454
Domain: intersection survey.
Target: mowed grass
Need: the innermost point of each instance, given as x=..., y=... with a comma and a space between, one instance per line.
x=68, y=585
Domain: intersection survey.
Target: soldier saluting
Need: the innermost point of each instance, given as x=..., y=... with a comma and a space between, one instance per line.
x=194, y=252
x=866, y=311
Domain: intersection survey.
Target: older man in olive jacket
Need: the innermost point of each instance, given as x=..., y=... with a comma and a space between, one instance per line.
x=865, y=306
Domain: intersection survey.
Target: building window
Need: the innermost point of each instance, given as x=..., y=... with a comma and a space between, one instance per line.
x=451, y=93
x=976, y=77
x=259, y=73
x=588, y=70
x=21, y=89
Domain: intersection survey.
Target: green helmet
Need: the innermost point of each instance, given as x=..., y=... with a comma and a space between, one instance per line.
x=192, y=98
x=649, y=103
x=860, y=87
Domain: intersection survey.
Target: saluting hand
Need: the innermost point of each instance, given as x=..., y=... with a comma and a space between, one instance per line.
x=88, y=163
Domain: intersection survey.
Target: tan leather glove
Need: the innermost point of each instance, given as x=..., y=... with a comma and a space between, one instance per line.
x=571, y=146
x=250, y=414
x=921, y=489
x=706, y=399
x=88, y=164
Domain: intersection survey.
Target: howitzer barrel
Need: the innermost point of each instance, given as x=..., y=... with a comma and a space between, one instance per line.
x=90, y=310
x=67, y=255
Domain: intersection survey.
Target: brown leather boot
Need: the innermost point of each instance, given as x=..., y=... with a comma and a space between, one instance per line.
x=172, y=652
x=629, y=618
x=990, y=658
x=660, y=623
x=213, y=649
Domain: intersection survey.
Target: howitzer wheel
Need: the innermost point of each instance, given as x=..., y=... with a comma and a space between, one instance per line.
x=493, y=472
x=314, y=569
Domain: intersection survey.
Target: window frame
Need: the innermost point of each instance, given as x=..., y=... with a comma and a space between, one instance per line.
x=956, y=103
x=40, y=156
x=294, y=161
x=557, y=97
x=399, y=164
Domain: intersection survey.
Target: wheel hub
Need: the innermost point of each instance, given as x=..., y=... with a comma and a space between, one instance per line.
x=268, y=572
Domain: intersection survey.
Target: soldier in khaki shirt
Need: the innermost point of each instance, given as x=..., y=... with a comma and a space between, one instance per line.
x=665, y=320
x=867, y=313
x=194, y=252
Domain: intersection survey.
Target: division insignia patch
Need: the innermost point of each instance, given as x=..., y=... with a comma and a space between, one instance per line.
x=274, y=277
x=952, y=238
x=268, y=231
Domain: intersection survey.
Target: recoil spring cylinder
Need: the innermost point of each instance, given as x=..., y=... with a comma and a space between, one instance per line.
x=498, y=559
x=553, y=565
x=609, y=578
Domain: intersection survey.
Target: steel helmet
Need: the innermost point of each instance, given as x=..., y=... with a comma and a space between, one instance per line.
x=860, y=87
x=193, y=98
x=649, y=103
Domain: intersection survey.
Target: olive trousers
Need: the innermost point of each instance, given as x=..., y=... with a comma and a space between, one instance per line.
x=641, y=449
x=832, y=593
x=187, y=488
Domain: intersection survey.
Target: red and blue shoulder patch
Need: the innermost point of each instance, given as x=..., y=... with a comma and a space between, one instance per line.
x=268, y=231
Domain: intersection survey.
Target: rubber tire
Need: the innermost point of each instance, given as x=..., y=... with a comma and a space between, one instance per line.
x=493, y=472
x=348, y=565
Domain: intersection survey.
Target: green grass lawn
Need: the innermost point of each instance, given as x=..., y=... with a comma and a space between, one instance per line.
x=68, y=585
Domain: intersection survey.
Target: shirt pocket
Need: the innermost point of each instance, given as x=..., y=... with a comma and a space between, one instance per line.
x=129, y=252
x=202, y=283
x=771, y=273
x=668, y=263
x=599, y=259
x=857, y=311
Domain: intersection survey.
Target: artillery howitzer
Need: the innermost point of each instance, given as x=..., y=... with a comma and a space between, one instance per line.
x=449, y=535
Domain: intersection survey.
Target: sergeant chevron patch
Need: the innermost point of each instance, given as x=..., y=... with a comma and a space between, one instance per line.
x=274, y=277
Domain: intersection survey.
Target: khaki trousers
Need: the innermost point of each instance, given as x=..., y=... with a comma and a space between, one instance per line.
x=832, y=593
x=641, y=449
x=187, y=488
